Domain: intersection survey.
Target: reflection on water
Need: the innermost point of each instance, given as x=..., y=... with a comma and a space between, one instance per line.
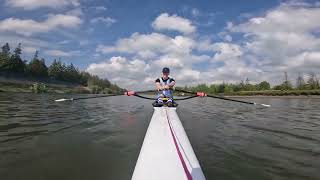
x=101, y=138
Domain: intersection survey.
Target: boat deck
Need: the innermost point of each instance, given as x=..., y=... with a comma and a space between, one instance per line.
x=166, y=152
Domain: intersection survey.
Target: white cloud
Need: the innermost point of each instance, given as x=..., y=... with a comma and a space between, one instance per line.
x=75, y=12
x=195, y=12
x=60, y=53
x=29, y=50
x=28, y=27
x=149, y=45
x=204, y=45
x=84, y=42
x=283, y=19
x=226, y=51
x=64, y=42
x=186, y=75
x=310, y=61
x=283, y=39
x=138, y=42
x=25, y=41
x=166, y=61
x=34, y=4
x=100, y=8
x=282, y=33
x=105, y=20
x=166, y=22
x=228, y=38
x=126, y=73
x=160, y=50
x=280, y=40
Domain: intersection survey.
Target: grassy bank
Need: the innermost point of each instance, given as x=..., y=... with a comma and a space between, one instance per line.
x=50, y=88
x=275, y=93
x=279, y=93
x=20, y=83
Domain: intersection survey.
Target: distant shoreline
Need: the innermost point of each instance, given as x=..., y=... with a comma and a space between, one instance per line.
x=284, y=97
x=24, y=85
x=20, y=85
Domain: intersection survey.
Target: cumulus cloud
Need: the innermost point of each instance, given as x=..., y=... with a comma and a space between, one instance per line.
x=28, y=27
x=176, y=23
x=186, y=75
x=166, y=61
x=126, y=73
x=60, y=53
x=149, y=45
x=105, y=20
x=99, y=8
x=226, y=51
x=277, y=41
x=34, y=4
x=29, y=44
x=29, y=49
x=195, y=12
x=176, y=53
x=283, y=36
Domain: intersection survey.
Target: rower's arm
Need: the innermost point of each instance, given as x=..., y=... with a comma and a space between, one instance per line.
x=172, y=84
x=158, y=85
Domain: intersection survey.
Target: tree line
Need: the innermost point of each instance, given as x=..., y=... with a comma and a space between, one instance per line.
x=312, y=83
x=12, y=63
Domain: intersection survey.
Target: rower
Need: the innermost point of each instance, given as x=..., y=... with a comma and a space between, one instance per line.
x=165, y=86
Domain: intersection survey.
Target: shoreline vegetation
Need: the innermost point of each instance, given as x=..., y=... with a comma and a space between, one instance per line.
x=309, y=88
x=17, y=75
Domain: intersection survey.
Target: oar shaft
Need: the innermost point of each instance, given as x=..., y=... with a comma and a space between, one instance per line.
x=220, y=97
x=234, y=100
x=97, y=96
x=80, y=98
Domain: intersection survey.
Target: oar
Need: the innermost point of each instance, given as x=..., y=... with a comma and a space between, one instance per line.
x=108, y=95
x=201, y=94
x=79, y=98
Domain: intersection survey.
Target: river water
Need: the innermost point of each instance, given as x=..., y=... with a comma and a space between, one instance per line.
x=101, y=138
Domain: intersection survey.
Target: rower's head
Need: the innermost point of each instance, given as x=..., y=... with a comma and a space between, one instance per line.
x=165, y=72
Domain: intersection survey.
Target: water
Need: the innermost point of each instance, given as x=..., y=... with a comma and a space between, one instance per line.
x=101, y=138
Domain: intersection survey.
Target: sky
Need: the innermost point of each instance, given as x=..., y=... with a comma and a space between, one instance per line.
x=130, y=41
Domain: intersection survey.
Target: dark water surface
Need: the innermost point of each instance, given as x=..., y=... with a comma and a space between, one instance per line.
x=101, y=138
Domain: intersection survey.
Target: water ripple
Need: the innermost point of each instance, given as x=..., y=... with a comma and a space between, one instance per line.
x=231, y=140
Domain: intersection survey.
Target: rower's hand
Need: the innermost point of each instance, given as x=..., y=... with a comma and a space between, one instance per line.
x=166, y=87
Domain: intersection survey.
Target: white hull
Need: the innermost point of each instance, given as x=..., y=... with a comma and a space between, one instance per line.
x=166, y=152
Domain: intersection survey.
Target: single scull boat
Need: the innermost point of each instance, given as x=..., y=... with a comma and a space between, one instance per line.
x=166, y=152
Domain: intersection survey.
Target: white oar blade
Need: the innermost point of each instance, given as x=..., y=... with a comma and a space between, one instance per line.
x=60, y=100
x=265, y=105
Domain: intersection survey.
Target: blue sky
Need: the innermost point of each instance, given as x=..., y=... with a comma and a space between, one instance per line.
x=130, y=41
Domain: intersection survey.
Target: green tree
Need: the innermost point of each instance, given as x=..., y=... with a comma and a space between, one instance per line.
x=38, y=67
x=16, y=64
x=220, y=88
x=264, y=85
x=5, y=57
x=228, y=88
x=84, y=77
x=286, y=85
x=300, y=84
x=313, y=82
x=248, y=86
x=6, y=49
x=213, y=89
x=56, y=70
x=71, y=74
